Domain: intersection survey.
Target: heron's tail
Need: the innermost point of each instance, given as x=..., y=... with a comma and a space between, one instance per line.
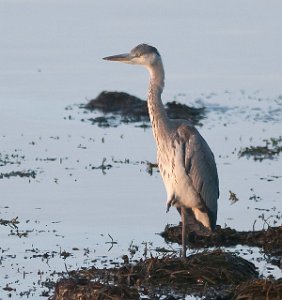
x=196, y=226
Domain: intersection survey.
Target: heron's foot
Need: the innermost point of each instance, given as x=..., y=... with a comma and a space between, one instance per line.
x=170, y=203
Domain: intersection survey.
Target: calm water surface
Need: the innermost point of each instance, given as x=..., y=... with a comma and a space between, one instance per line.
x=223, y=59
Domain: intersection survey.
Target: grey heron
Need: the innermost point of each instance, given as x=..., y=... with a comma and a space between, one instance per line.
x=185, y=160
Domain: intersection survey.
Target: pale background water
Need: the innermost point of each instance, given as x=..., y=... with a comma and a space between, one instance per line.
x=225, y=55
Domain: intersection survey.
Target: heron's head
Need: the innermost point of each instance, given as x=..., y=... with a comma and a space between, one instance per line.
x=142, y=54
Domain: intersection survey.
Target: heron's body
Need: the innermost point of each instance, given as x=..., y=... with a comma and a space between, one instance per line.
x=185, y=160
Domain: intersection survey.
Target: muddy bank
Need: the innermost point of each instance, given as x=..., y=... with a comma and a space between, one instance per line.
x=120, y=107
x=214, y=275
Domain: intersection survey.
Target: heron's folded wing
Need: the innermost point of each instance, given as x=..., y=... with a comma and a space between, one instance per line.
x=201, y=168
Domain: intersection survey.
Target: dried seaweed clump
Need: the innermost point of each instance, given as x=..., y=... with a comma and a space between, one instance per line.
x=200, y=272
x=177, y=110
x=119, y=102
x=259, y=289
x=270, y=240
x=212, y=268
x=271, y=149
x=84, y=289
x=13, y=223
x=133, y=109
x=29, y=173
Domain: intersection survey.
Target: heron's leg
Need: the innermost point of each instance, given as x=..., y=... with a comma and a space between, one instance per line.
x=184, y=231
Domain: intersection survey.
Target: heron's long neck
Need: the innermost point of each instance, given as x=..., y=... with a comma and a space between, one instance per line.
x=158, y=115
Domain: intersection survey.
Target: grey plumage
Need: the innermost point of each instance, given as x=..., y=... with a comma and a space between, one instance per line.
x=185, y=160
x=144, y=49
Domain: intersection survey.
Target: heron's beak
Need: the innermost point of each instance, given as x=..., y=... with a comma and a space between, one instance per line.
x=126, y=58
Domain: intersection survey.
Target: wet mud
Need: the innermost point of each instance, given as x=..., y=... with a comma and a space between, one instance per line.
x=120, y=107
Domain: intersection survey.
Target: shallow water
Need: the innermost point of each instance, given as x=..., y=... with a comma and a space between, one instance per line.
x=51, y=60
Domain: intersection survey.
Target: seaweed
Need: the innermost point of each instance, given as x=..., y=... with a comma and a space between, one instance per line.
x=270, y=150
x=200, y=273
x=270, y=240
x=85, y=289
x=131, y=109
x=13, y=223
x=29, y=173
x=259, y=289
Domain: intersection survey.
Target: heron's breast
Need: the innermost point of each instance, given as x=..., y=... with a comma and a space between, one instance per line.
x=168, y=161
x=177, y=182
x=165, y=163
x=168, y=169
